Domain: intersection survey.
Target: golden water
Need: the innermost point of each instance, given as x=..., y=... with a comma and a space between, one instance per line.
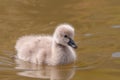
x=97, y=25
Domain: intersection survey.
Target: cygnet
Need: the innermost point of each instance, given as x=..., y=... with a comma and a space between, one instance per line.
x=51, y=50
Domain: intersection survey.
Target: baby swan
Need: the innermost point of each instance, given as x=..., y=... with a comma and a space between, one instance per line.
x=50, y=50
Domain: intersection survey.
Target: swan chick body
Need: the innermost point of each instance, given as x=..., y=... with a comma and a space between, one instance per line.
x=50, y=50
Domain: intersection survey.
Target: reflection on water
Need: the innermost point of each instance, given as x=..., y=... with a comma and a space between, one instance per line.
x=116, y=54
x=44, y=72
x=97, y=25
x=116, y=26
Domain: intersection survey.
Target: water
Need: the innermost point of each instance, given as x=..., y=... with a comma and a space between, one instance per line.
x=97, y=25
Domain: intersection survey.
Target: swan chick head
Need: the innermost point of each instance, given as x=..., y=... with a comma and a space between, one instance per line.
x=64, y=35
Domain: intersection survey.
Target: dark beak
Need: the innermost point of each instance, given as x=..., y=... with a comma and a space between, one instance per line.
x=72, y=43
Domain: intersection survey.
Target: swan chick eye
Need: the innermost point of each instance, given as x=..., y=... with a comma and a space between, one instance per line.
x=65, y=36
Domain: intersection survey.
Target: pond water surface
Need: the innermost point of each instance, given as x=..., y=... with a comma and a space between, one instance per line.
x=97, y=25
